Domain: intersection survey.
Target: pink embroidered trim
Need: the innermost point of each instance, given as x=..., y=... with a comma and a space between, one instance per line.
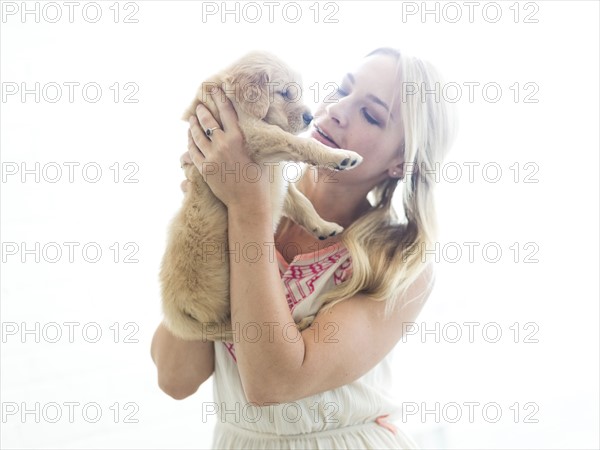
x=230, y=349
x=343, y=272
x=299, y=280
x=381, y=421
x=316, y=255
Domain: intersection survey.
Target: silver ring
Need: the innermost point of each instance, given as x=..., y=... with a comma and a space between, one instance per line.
x=210, y=131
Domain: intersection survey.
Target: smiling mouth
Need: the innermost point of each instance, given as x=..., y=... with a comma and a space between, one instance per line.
x=325, y=137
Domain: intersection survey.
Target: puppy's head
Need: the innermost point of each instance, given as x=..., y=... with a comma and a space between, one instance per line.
x=268, y=89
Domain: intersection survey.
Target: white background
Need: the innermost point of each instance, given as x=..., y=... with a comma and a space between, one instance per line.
x=166, y=54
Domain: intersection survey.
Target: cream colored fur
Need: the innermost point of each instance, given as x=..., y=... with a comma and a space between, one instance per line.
x=195, y=268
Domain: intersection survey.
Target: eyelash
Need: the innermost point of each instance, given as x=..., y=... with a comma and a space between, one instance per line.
x=368, y=118
x=340, y=92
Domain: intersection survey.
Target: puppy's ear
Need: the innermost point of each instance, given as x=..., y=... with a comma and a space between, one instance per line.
x=202, y=96
x=250, y=85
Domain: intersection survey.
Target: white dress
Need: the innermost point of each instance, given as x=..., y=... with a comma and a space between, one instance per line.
x=353, y=416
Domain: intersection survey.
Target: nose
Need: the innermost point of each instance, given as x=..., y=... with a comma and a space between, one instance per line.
x=339, y=110
x=307, y=117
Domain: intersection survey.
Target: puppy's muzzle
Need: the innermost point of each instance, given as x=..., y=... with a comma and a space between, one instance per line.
x=307, y=117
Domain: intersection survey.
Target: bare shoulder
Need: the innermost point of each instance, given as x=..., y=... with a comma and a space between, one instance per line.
x=351, y=338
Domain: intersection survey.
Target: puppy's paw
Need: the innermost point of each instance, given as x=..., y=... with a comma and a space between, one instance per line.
x=344, y=160
x=326, y=229
x=305, y=323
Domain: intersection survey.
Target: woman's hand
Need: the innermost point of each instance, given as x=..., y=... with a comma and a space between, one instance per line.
x=223, y=159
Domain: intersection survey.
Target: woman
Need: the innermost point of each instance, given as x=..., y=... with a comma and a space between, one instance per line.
x=323, y=387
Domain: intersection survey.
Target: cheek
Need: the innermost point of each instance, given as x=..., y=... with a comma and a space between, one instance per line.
x=377, y=150
x=363, y=141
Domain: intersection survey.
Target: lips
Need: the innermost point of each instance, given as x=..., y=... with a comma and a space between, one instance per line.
x=323, y=137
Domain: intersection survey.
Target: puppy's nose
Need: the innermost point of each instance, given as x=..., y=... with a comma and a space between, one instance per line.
x=307, y=117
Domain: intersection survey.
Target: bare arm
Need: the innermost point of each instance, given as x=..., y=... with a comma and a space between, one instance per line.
x=280, y=367
x=258, y=298
x=182, y=365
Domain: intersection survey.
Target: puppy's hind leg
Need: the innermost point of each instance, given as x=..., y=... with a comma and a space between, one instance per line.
x=298, y=208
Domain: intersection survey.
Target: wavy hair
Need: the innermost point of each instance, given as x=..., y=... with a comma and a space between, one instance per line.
x=388, y=251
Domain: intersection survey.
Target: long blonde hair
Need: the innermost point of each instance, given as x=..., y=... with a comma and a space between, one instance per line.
x=387, y=252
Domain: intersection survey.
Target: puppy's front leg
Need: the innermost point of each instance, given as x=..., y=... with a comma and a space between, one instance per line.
x=298, y=208
x=270, y=143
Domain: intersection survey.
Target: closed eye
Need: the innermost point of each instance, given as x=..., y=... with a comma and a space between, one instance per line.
x=284, y=94
x=369, y=118
x=342, y=93
x=339, y=91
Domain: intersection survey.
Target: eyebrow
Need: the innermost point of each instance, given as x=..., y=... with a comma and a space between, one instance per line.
x=372, y=97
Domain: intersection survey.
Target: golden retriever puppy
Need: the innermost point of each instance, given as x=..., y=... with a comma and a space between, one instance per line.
x=195, y=268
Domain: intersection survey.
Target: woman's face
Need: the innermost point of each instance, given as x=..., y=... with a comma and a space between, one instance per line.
x=358, y=118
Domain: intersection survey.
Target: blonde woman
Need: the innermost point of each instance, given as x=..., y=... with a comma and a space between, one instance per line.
x=324, y=387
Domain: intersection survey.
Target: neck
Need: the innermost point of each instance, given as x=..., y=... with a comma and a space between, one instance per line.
x=333, y=200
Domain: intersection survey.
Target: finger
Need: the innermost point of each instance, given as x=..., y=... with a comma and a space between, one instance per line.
x=185, y=159
x=185, y=185
x=194, y=152
x=198, y=135
x=207, y=121
x=226, y=110
x=197, y=158
x=191, y=145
